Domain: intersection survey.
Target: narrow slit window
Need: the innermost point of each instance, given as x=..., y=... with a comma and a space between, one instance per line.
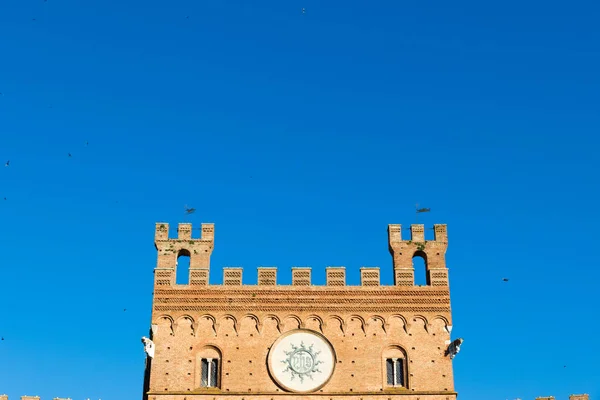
x=213, y=373
x=390, y=371
x=399, y=381
x=204, y=376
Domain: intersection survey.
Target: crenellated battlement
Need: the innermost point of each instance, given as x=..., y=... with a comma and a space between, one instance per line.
x=184, y=232
x=433, y=253
x=169, y=250
x=267, y=276
x=417, y=233
x=200, y=249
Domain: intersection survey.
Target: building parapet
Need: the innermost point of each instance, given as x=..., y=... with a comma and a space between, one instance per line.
x=267, y=276
x=199, y=251
x=336, y=276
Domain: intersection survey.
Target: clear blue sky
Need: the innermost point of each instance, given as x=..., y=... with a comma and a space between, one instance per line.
x=301, y=137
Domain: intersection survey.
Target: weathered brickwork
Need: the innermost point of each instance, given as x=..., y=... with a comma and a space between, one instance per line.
x=237, y=324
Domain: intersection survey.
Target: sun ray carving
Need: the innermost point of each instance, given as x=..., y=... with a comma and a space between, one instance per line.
x=302, y=361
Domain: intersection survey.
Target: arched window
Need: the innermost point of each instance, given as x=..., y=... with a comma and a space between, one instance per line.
x=182, y=269
x=208, y=367
x=394, y=360
x=420, y=267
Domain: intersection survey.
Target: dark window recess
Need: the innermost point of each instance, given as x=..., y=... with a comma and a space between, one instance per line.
x=209, y=372
x=390, y=371
x=204, y=377
x=213, y=373
x=395, y=371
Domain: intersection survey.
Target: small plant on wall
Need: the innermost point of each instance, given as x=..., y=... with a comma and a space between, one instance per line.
x=420, y=245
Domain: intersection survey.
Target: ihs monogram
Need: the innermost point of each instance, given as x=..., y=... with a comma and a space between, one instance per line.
x=302, y=361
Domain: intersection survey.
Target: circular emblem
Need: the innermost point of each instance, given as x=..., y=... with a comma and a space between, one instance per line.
x=301, y=361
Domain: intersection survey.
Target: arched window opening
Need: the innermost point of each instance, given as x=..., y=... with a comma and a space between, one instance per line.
x=420, y=269
x=394, y=359
x=209, y=368
x=182, y=273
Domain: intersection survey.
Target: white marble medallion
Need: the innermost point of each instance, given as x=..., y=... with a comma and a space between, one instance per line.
x=301, y=361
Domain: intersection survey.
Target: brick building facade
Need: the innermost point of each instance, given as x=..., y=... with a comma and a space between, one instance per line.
x=236, y=341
